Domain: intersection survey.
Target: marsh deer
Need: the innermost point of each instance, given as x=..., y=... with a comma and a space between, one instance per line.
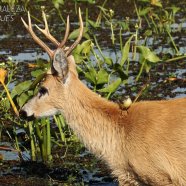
x=145, y=144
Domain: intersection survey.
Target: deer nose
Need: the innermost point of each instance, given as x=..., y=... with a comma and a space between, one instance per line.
x=23, y=114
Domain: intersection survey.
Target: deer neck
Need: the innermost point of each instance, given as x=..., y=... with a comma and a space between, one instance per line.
x=94, y=119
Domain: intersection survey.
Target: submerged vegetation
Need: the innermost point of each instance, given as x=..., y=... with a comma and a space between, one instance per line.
x=134, y=42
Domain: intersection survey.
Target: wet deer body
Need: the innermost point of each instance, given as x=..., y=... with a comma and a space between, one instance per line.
x=146, y=143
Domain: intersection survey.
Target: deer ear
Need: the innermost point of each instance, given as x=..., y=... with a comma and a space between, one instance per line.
x=60, y=64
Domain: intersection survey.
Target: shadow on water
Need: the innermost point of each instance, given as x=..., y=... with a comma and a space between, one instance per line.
x=81, y=169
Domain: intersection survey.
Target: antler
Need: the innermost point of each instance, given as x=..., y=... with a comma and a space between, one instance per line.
x=79, y=37
x=36, y=39
x=46, y=32
x=66, y=34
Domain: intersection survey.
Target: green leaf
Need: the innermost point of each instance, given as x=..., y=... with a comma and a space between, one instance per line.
x=79, y=69
x=86, y=47
x=20, y=88
x=93, y=23
x=57, y=3
x=83, y=48
x=77, y=50
x=108, y=60
x=144, y=11
x=102, y=77
x=37, y=80
x=156, y=3
x=148, y=33
x=175, y=9
x=148, y=55
x=22, y=99
x=6, y=103
x=91, y=75
x=124, y=25
x=148, y=67
x=75, y=33
x=36, y=73
x=104, y=10
x=125, y=51
x=78, y=58
x=112, y=87
x=119, y=69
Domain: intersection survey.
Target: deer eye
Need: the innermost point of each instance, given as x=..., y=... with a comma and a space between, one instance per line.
x=42, y=91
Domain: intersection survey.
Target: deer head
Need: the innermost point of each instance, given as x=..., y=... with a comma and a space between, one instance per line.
x=62, y=71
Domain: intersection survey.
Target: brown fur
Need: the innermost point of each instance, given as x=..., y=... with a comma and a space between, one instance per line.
x=145, y=144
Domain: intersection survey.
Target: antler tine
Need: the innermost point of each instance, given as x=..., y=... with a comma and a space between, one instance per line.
x=79, y=37
x=46, y=31
x=66, y=34
x=36, y=39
